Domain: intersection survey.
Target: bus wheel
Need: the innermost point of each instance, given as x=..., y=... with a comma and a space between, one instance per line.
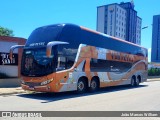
x=81, y=86
x=138, y=81
x=94, y=86
x=133, y=81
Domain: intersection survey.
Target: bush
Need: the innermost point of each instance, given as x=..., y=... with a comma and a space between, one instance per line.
x=154, y=72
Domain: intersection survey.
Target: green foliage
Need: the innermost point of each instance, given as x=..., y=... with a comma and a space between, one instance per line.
x=154, y=72
x=6, y=32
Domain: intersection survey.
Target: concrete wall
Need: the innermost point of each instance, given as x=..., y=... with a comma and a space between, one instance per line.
x=14, y=82
x=7, y=69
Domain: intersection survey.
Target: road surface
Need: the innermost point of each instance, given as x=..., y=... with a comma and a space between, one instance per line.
x=146, y=97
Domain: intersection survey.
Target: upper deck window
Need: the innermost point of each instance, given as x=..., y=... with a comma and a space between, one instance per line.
x=41, y=36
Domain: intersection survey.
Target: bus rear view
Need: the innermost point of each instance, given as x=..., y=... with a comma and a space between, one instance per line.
x=67, y=57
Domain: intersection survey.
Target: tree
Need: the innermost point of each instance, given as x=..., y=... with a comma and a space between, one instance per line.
x=6, y=32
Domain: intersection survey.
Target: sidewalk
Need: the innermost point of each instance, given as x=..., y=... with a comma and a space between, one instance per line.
x=19, y=90
x=9, y=91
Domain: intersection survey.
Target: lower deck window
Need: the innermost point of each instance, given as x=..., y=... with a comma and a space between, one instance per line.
x=98, y=65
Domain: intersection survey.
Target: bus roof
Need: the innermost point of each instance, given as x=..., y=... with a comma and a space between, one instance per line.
x=115, y=38
x=79, y=35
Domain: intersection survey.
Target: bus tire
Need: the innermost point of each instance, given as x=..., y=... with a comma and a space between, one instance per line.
x=81, y=85
x=94, y=85
x=133, y=81
x=138, y=80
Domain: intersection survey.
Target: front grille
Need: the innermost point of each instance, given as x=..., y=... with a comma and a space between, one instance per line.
x=32, y=84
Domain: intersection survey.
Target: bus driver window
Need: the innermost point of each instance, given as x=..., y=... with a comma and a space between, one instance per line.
x=61, y=63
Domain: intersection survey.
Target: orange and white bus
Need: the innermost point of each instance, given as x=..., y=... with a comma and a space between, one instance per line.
x=67, y=57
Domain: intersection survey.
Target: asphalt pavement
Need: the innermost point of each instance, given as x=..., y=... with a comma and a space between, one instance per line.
x=19, y=90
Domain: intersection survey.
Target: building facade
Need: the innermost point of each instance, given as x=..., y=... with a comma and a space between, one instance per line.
x=8, y=67
x=120, y=20
x=155, y=53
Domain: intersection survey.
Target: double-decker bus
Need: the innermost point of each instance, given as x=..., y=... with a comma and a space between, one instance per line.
x=67, y=57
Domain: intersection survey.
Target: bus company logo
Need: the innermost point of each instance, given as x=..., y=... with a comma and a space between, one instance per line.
x=6, y=114
x=37, y=44
x=122, y=57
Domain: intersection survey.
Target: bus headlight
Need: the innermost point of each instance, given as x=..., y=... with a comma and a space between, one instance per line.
x=46, y=82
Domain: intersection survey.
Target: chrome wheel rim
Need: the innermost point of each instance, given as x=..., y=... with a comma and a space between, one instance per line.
x=80, y=86
x=93, y=85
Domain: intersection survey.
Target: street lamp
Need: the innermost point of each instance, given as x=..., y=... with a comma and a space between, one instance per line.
x=144, y=27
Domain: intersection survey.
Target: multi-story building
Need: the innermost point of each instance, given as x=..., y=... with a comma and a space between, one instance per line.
x=155, y=53
x=120, y=20
x=138, y=30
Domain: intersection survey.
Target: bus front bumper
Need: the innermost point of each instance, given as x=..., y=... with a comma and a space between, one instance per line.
x=36, y=88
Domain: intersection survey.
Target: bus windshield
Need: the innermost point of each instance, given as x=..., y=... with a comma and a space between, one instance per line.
x=43, y=35
x=36, y=63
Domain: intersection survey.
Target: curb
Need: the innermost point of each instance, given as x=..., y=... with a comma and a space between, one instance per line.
x=152, y=80
x=13, y=93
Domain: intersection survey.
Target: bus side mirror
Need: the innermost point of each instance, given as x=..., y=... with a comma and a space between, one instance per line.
x=12, y=49
x=50, y=44
x=49, y=49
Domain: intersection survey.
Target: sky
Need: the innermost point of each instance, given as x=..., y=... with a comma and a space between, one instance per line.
x=23, y=16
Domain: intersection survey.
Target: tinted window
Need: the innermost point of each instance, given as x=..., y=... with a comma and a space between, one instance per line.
x=36, y=63
x=98, y=65
x=66, y=57
x=44, y=35
x=101, y=41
